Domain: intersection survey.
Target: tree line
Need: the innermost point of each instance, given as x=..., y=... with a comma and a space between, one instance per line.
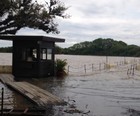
x=6, y=49
x=103, y=47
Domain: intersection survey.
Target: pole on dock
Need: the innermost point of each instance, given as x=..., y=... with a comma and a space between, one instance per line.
x=2, y=96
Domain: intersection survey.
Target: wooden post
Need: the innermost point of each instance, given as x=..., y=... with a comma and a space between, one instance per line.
x=133, y=70
x=92, y=67
x=100, y=66
x=68, y=68
x=128, y=72
x=85, y=68
x=2, y=96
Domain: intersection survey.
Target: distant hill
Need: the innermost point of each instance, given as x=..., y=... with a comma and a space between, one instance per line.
x=103, y=47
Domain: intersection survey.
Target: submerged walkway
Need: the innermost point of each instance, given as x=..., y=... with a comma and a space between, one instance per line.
x=35, y=94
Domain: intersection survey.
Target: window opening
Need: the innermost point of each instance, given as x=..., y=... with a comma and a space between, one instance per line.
x=49, y=54
x=43, y=54
x=29, y=54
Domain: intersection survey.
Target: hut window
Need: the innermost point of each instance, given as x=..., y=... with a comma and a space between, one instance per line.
x=43, y=54
x=29, y=54
x=35, y=53
x=49, y=54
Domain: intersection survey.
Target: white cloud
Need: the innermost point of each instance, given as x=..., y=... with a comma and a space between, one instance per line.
x=4, y=43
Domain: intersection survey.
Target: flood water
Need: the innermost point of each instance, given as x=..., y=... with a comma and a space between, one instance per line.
x=90, y=89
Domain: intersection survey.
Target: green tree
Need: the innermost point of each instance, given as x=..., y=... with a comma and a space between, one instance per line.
x=58, y=50
x=4, y=7
x=16, y=14
x=103, y=47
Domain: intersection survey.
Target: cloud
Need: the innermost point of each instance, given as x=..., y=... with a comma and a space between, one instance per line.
x=118, y=19
x=91, y=19
x=4, y=43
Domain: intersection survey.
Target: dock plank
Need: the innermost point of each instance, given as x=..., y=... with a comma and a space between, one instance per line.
x=37, y=95
x=6, y=78
x=42, y=91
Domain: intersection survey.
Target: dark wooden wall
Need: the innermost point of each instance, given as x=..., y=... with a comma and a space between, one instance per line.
x=38, y=68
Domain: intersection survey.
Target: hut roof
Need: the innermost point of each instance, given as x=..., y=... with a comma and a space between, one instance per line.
x=31, y=38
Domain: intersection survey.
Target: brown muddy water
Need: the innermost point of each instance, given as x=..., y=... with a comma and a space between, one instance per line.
x=96, y=92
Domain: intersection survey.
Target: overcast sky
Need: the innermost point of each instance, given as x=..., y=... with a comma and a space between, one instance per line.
x=92, y=19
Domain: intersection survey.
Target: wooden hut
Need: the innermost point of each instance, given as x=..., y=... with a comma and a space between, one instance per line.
x=33, y=56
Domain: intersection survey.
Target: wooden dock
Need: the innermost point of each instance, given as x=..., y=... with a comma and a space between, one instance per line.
x=4, y=78
x=35, y=94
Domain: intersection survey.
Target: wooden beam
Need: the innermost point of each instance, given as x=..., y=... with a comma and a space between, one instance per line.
x=4, y=78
